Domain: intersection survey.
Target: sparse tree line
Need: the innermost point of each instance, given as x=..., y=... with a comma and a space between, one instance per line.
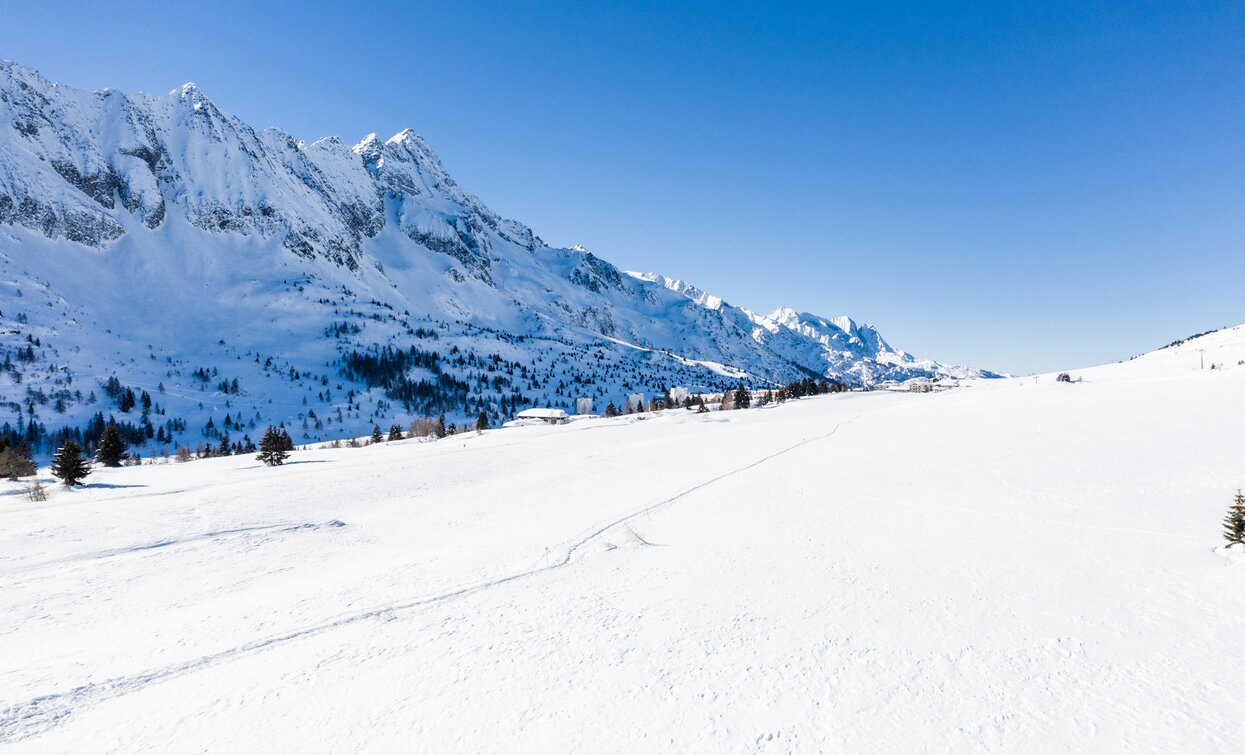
x=423, y=428
x=37, y=436
x=460, y=382
x=740, y=398
x=480, y=383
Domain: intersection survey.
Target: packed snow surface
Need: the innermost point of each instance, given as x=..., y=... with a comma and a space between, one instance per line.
x=1010, y=566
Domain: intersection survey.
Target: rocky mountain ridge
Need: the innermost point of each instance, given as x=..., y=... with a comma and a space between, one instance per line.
x=137, y=229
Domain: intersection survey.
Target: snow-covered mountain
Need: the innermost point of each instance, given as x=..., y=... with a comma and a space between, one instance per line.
x=164, y=242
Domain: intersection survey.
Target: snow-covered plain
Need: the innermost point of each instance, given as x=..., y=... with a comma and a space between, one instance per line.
x=1011, y=566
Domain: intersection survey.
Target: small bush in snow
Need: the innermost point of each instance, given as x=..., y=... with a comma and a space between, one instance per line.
x=35, y=492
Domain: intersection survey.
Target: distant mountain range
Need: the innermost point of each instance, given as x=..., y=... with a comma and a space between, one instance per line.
x=161, y=241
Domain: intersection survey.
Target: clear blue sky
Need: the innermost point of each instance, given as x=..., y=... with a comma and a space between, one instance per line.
x=1016, y=187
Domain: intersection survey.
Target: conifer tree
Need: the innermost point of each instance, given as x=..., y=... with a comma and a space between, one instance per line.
x=376, y=436
x=287, y=443
x=111, y=448
x=272, y=448
x=68, y=464
x=482, y=422
x=1234, y=522
x=439, y=430
x=395, y=433
x=743, y=399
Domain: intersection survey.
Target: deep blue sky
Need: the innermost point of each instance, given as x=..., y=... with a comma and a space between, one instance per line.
x=1013, y=187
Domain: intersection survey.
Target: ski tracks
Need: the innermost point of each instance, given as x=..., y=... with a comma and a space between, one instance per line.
x=40, y=714
x=274, y=529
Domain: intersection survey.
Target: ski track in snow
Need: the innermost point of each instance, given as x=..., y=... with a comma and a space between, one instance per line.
x=38, y=715
x=275, y=529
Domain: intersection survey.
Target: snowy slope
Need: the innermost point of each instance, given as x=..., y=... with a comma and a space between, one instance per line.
x=1016, y=565
x=150, y=237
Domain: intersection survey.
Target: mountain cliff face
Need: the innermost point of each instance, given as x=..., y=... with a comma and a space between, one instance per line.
x=158, y=239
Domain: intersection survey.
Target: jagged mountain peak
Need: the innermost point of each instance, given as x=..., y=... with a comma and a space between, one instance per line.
x=408, y=136
x=15, y=70
x=690, y=290
x=189, y=90
x=791, y=317
x=180, y=156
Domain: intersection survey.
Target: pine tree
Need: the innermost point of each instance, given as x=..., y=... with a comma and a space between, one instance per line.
x=743, y=399
x=439, y=430
x=272, y=448
x=1234, y=522
x=68, y=464
x=111, y=448
x=395, y=433
x=283, y=436
x=482, y=422
x=376, y=436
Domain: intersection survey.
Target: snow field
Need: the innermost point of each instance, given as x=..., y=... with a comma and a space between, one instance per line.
x=1012, y=566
